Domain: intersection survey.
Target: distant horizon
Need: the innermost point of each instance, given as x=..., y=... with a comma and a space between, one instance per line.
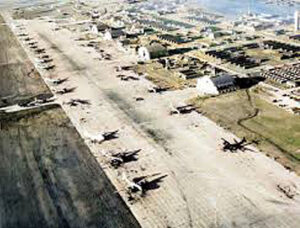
x=238, y=7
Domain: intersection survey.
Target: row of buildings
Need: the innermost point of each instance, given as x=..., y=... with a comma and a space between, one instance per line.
x=131, y=28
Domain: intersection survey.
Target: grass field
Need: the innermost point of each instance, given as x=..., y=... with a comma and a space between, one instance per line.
x=245, y=114
x=161, y=77
x=272, y=55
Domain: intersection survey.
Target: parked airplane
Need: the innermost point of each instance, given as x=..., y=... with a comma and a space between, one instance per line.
x=23, y=34
x=120, y=158
x=157, y=89
x=37, y=101
x=127, y=78
x=139, y=186
x=185, y=109
x=40, y=51
x=66, y=90
x=57, y=81
x=76, y=102
x=46, y=67
x=102, y=137
x=233, y=147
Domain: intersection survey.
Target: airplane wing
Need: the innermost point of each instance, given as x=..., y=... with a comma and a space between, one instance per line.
x=225, y=142
x=159, y=179
x=139, y=179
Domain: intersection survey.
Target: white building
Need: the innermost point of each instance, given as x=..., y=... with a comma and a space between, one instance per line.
x=297, y=21
x=144, y=54
x=152, y=51
x=98, y=27
x=94, y=29
x=107, y=35
x=205, y=86
x=113, y=33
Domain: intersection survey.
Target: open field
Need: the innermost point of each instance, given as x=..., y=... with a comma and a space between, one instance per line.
x=32, y=14
x=50, y=179
x=160, y=76
x=18, y=78
x=272, y=55
x=44, y=8
x=247, y=115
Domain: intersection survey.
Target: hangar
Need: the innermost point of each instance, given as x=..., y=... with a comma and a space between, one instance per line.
x=216, y=85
